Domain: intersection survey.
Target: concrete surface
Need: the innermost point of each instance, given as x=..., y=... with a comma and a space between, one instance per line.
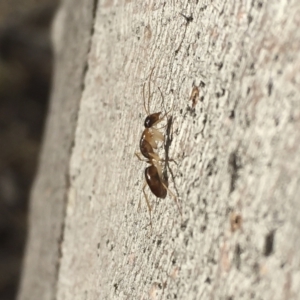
x=237, y=151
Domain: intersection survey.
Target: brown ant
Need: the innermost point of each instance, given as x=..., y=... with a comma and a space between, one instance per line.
x=151, y=135
x=154, y=176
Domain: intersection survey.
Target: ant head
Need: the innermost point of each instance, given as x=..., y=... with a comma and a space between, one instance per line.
x=151, y=119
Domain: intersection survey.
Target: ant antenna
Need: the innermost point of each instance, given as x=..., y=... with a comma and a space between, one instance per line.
x=163, y=99
x=149, y=93
x=174, y=198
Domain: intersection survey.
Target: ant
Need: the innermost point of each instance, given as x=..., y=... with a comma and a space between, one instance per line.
x=154, y=176
x=151, y=135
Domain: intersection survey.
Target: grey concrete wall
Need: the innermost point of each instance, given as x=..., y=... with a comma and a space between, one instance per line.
x=237, y=150
x=72, y=35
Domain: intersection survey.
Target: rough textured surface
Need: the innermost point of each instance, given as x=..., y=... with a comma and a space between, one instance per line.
x=72, y=32
x=237, y=152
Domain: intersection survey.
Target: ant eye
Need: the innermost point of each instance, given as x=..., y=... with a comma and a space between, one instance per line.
x=147, y=122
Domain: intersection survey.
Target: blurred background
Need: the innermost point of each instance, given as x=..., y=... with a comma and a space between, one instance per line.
x=25, y=81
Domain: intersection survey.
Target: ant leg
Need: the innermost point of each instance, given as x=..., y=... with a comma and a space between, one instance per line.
x=175, y=199
x=162, y=127
x=170, y=159
x=137, y=154
x=148, y=203
x=152, y=156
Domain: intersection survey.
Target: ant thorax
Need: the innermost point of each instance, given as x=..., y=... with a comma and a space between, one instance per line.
x=148, y=142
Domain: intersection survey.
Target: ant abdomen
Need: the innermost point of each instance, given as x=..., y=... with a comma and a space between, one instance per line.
x=151, y=119
x=154, y=182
